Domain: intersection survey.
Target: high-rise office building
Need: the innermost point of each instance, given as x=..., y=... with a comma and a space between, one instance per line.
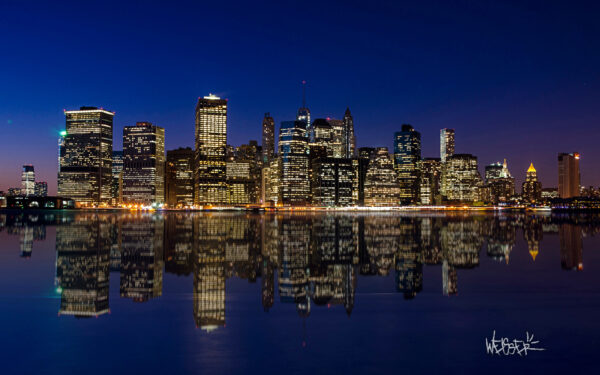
x=381, y=182
x=338, y=142
x=179, y=181
x=268, y=138
x=41, y=189
x=61, y=148
x=532, y=188
x=460, y=178
x=364, y=156
x=323, y=135
x=350, y=137
x=241, y=186
x=293, y=153
x=27, y=180
x=446, y=143
x=407, y=153
x=304, y=115
x=211, y=151
x=85, y=170
x=332, y=181
x=250, y=154
x=569, y=178
x=430, y=170
x=499, y=182
x=117, y=178
x=143, y=164
x=271, y=183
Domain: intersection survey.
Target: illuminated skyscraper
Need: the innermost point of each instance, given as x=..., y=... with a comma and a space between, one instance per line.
x=117, y=178
x=211, y=151
x=323, y=135
x=268, y=138
x=364, y=156
x=332, y=180
x=179, y=188
x=85, y=172
x=407, y=153
x=28, y=180
x=350, y=138
x=248, y=156
x=41, y=189
x=293, y=154
x=143, y=163
x=61, y=148
x=532, y=188
x=381, y=182
x=338, y=141
x=430, y=170
x=446, y=143
x=500, y=183
x=569, y=178
x=460, y=178
x=304, y=115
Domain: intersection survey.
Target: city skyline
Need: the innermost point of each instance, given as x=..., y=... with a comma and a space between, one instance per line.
x=505, y=95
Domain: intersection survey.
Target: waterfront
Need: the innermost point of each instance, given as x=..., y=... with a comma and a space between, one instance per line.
x=296, y=292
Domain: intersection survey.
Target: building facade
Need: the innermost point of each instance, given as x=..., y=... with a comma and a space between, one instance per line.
x=179, y=181
x=446, y=143
x=41, y=189
x=430, y=170
x=293, y=153
x=381, y=181
x=499, y=182
x=143, y=164
x=268, y=138
x=211, y=151
x=532, y=188
x=332, y=182
x=569, y=178
x=407, y=154
x=350, y=136
x=461, y=181
x=117, y=178
x=86, y=166
x=28, y=180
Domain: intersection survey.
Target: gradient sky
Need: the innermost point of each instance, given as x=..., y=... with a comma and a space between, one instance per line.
x=517, y=80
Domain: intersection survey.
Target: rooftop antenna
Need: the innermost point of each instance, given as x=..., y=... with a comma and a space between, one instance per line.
x=303, y=94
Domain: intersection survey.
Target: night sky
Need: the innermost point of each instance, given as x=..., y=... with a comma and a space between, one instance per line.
x=517, y=80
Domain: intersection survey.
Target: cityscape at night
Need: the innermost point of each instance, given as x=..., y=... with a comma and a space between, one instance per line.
x=299, y=187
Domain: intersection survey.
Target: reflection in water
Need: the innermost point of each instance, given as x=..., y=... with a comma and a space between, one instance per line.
x=306, y=258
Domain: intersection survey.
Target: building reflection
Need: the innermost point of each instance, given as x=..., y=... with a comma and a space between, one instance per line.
x=307, y=260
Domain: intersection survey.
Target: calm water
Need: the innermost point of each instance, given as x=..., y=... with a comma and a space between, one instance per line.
x=102, y=293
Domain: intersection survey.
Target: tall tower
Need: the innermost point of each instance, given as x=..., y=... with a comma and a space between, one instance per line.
x=86, y=167
x=407, y=153
x=532, y=188
x=569, y=178
x=446, y=143
x=304, y=114
x=350, y=141
x=28, y=180
x=293, y=152
x=211, y=150
x=143, y=163
x=268, y=138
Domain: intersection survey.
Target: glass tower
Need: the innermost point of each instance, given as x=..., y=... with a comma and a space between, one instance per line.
x=407, y=153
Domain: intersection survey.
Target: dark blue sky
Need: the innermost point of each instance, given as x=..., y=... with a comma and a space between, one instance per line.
x=517, y=80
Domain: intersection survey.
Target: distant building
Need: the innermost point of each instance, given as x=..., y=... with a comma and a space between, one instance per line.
x=143, y=163
x=179, y=181
x=28, y=180
x=430, y=170
x=211, y=151
x=532, y=188
x=304, y=115
x=332, y=181
x=271, y=183
x=338, y=144
x=460, y=178
x=364, y=156
x=446, y=143
x=251, y=154
x=117, y=178
x=568, y=175
x=268, y=138
x=241, y=186
x=407, y=153
x=381, y=182
x=85, y=170
x=293, y=154
x=323, y=136
x=41, y=189
x=500, y=183
x=349, y=135
x=13, y=191
x=549, y=193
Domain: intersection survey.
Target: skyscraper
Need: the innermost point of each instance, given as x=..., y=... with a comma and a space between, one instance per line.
x=323, y=135
x=350, y=138
x=430, y=170
x=338, y=144
x=407, y=153
x=268, y=138
x=304, y=114
x=179, y=181
x=381, y=182
x=85, y=172
x=460, y=178
x=117, y=178
x=143, y=163
x=499, y=181
x=28, y=180
x=294, y=186
x=532, y=188
x=446, y=143
x=568, y=175
x=211, y=151
x=332, y=180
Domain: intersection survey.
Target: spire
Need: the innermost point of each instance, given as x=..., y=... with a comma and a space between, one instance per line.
x=531, y=168
x=303, y=94
x=347, y=113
